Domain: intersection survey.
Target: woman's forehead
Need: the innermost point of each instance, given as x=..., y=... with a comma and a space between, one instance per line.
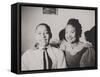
x=69, y=27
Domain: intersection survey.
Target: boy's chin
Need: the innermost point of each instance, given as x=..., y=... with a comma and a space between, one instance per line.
x=70, y=41
x=44, y=44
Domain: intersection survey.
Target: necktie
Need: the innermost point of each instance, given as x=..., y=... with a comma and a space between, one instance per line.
x=47, y=60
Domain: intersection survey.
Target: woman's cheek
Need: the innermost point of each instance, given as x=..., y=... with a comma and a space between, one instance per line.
x=74, y=36
x=66, y=37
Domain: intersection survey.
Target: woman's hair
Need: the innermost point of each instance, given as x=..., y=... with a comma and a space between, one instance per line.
x=62, y=34
x=78, y=28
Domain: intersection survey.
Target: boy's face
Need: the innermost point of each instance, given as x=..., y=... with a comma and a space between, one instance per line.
x=42, y=36
x=70, y=33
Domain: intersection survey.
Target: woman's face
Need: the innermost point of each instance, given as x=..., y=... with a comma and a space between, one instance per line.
x=42, y=36
x=70, y=33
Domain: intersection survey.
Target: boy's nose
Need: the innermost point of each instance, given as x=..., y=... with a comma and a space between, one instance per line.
x=43, y=36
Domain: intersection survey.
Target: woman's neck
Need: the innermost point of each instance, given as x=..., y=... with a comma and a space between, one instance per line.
x=73, y=45
x=73, y=48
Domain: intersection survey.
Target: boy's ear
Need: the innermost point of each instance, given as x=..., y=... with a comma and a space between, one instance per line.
x=50, y=35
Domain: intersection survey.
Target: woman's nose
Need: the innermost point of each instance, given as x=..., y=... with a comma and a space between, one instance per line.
x=69, y=35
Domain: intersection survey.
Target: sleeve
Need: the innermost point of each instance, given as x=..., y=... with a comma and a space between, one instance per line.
x=88, y=58
x=24, y=61
x=61, y=63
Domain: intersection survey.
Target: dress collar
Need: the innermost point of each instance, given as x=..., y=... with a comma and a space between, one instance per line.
x=75, y=50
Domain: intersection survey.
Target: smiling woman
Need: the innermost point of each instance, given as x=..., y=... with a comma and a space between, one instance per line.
x=77, y=53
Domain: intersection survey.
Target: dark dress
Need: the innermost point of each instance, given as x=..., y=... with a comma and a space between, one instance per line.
x=83, y=58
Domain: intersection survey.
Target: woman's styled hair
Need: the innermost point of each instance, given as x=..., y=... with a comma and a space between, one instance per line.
x=78, y=28
x=62, y=34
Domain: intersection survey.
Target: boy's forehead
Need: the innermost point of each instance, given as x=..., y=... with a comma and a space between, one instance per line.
x=41, y=28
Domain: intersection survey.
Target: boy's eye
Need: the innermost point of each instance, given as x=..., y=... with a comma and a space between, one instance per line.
x=39, y=33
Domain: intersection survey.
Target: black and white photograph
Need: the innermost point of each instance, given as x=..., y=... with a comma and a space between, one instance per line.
x=66, y=40
x=57, y=38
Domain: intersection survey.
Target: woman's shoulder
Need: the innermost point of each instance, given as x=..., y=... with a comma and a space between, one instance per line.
x=88, y=57
x=88, y=45
x=85, y=45
x=63, y=45
x=89, y=49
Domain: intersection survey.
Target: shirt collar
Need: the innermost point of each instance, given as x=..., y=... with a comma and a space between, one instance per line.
x=47, y=47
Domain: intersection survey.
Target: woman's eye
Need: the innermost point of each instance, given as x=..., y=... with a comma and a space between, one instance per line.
x=72, y=32
x=66, y=32
x=46, y=33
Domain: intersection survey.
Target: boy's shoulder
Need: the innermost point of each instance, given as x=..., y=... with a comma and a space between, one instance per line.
x=56, y=51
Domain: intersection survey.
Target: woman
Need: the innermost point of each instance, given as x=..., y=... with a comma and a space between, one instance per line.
x=45, y=56
x=78, y=54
